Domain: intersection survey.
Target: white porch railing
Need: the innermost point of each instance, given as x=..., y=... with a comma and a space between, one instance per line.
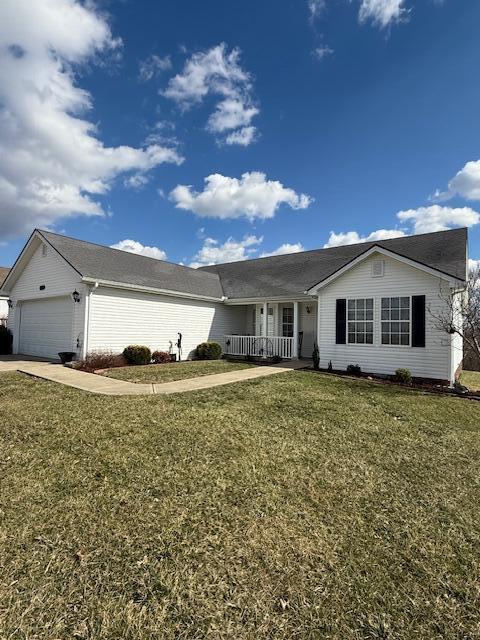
x=264, y=346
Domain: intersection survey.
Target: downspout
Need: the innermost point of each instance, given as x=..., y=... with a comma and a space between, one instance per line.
x=86, y=326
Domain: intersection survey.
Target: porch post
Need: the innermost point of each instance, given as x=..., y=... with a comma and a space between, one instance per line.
x=265, y=328
x=295, y=330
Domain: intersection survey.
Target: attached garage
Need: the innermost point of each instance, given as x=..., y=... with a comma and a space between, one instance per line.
x=46, y=327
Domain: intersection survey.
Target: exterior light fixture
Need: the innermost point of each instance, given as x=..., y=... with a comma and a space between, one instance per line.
x=76, y=296
x=309, y=308
x=10, y=303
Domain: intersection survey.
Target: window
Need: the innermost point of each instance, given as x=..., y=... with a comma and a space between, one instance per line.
x=287, y=322
x=360, y=321
x=396, y=321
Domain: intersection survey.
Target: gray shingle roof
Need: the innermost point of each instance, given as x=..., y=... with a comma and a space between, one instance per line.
x=293, y=274
x=275, y=276
x=103, y=263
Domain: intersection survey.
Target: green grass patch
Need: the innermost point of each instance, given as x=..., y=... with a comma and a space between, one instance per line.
x=152, y=373
x=471, y=379
x=298, y=506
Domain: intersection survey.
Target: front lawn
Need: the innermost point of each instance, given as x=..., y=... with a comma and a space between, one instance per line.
x=152, y=373
x=299, y=506
x=471, y=379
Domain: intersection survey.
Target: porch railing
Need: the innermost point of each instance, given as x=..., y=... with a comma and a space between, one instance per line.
x=263, y=346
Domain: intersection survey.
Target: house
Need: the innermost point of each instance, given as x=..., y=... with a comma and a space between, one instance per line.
x=367, y=303
x=3, y=299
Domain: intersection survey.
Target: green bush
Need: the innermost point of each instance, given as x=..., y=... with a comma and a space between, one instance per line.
x=316, y=357
x=354, y=370
x=404, y=376
x=6, y=341
x=209, y=351
x=137, y=354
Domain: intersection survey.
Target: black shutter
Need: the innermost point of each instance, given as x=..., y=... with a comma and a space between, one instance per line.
x=341, y=322
x=418, y=321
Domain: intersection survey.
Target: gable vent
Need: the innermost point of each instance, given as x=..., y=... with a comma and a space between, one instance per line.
x=44, y=250
x=378, y=268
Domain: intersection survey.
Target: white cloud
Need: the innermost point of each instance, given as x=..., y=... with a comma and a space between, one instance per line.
x=243, y=136
x=465, y=184
x=437, y=218
x=382, y=12
x=252, y=196
x=212, y=252
x=322, y=52
x=352, y=237
x=284, y=249
x=316, y=8
x=153, y=66
x=132, y=246
x=217, y=72
x=52, y=161
x=136, y=181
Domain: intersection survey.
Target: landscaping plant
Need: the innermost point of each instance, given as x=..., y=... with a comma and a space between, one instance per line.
x=161, y=357
x=6, y=341
x=404, y=376
x=354, y=370
x=101, y=360
x=137, y=354
x=209, y=351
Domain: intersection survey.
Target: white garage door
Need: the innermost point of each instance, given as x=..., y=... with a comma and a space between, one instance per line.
x=46, y=327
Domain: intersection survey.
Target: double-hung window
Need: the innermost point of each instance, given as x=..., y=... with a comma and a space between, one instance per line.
x=287, y=322
x=396, y=316
x=360, y=321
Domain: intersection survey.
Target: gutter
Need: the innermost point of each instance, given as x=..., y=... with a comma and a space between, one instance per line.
x=163, y=292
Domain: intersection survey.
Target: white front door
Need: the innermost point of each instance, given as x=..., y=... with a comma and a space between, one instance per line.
x=46, y=327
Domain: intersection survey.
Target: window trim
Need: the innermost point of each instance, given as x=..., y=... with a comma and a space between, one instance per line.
x=396, y=346
x=360, y=344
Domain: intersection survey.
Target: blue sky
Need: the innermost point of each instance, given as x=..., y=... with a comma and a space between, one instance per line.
x=211, y=131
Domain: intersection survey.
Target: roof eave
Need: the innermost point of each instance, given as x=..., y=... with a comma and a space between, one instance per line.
x=155, y=290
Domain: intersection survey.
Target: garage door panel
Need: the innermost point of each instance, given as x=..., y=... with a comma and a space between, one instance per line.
x=46, y=327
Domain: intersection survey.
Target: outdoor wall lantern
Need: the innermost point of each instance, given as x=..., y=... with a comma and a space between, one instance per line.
x=10, y=303
x=76, y=296
x=309, y=308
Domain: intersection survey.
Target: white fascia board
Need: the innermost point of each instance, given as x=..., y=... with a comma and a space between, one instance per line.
x=155, y=290
x=260, y=300
x=389, y=254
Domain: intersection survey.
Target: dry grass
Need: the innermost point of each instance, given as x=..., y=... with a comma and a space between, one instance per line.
x=152, y=373
x=471, y=379
x=299, y=506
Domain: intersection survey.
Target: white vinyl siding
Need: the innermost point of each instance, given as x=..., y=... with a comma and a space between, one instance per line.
x=59, y=280
x=401, y=280
x=120, y=317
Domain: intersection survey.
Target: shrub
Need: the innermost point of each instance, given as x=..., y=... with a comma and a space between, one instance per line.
x=159, y=357
x=403, y=375
x=6, y=341
x=209, y=351
x=101, y=360
x=354, y=370
x=137, y=354
x=316, y=357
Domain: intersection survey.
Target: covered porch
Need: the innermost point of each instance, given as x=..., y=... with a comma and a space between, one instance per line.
x=285, y=329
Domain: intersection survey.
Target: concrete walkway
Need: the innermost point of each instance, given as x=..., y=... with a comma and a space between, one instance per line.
x=94, y=383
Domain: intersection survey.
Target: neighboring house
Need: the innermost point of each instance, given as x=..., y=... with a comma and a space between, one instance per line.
x=365, y=303
x=3, y=299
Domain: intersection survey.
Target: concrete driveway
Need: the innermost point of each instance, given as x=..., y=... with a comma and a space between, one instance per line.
x=17, y=361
